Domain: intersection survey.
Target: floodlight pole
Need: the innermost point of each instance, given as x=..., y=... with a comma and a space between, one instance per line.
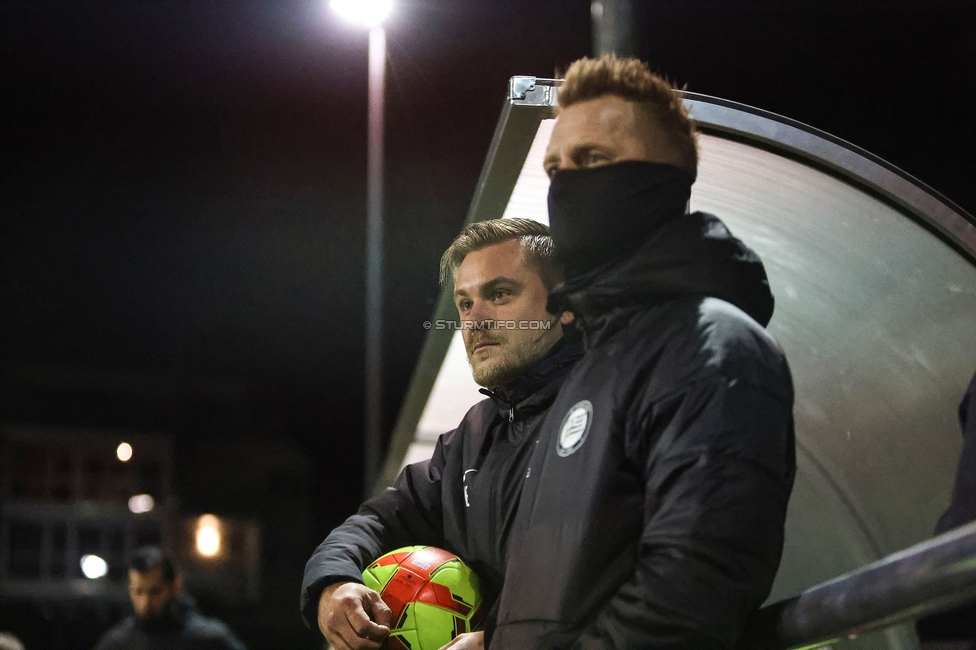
x=374, y=259
x=613, y=27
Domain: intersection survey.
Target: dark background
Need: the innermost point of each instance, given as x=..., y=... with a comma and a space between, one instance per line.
x=182, y=195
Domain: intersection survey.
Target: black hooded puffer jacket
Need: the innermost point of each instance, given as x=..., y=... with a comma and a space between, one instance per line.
x=653, y=511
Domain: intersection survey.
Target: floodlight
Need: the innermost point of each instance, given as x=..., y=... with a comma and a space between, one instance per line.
x=365, y=12
x=93, y=567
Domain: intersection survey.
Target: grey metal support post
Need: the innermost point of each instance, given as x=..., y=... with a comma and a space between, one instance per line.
x=374, y=260
x=613, y=27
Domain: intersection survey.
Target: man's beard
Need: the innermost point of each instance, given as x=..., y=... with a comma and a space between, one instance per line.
x=160, y=621
x=518, y=357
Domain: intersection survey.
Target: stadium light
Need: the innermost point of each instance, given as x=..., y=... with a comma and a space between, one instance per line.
x=372, y=13
x=93, y=567
x=369, y=13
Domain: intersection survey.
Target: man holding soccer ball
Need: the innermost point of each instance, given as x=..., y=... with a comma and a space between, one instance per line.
x=650, y=493
x=464, y=499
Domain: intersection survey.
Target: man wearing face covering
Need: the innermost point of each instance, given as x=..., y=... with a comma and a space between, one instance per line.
x=653, y=507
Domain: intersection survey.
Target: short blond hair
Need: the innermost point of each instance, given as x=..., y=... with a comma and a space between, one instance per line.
x=632, y=79
x=533, y=237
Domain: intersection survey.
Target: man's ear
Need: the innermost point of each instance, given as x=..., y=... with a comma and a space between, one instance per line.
x=566, y=318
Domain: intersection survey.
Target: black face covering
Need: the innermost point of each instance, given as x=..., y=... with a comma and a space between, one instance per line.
x=600, y=215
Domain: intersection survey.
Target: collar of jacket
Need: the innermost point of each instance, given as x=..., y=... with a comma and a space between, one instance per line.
x=173, y=617
x=691, y=255
x=535, y=390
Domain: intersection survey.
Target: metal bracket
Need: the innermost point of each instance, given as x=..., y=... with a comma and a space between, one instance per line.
x=520, y=86
x=532, y=91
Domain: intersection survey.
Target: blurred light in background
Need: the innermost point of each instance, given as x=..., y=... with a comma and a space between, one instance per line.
x=365, y=12
x=93, y=567
x=141, y=503
x=124, y=452
x=208, y=536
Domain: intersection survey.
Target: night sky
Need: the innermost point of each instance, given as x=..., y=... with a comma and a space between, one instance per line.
x=182, y=195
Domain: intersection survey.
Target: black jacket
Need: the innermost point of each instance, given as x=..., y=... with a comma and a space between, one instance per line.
x=183, y=628
x=654, y=510
x=462, y=500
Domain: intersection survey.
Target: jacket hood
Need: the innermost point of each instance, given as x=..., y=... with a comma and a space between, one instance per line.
x=694, y=254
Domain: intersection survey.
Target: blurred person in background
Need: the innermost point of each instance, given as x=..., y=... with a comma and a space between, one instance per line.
x=164, y=617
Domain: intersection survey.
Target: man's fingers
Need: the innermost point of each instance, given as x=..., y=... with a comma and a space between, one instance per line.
x=355, y=642
x=347, y=638
x=336, y=642
x=340, y=634
x=371, y=634
x=382, y=614
x=345, y=611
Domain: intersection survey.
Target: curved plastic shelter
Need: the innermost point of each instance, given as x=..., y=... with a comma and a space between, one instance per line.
x=874, y=276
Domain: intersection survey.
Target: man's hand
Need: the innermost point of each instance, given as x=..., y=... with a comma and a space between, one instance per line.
x=354, y=617
x=469, y=641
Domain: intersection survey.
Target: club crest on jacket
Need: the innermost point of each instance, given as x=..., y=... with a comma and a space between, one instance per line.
x=575, y=426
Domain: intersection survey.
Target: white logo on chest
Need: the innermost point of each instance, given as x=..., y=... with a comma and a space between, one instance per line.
x=575, y=426
x=464, y=480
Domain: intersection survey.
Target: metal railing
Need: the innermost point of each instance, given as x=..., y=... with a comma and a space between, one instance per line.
x=930, y=577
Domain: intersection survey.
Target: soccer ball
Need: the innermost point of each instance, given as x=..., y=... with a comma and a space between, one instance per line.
x=433, y=594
